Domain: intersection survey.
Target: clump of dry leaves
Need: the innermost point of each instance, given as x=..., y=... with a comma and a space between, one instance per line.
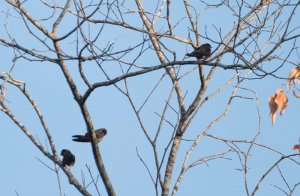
x=280, y=100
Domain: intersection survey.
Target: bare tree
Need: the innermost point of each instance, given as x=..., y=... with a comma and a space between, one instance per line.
x=251, y=41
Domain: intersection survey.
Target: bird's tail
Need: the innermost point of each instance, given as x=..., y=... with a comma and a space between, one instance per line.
x=79, y=138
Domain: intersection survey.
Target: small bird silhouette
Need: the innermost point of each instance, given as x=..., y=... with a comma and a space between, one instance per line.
x=202, y=52
x=100, y=133
x=68, y=158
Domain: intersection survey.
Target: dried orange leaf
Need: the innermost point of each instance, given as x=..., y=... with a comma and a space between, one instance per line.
x=294, y=75
x=281, y=100
x=273, y=107
x=296, y=147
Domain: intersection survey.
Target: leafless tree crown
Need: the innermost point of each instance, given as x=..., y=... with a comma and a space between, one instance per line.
x=129, y=45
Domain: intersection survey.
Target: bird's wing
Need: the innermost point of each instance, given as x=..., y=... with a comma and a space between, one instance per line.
x=205, y=49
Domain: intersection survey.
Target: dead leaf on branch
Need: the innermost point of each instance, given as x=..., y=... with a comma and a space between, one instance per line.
x=296, y=147
x=293, y=76
x=279, y=100
x=273, y=108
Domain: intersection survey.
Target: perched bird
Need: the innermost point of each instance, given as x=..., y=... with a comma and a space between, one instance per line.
x=100, y=133
x=68, y=158
x=202, y=52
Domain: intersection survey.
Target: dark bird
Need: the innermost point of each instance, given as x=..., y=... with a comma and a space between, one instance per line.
x=100, y=133
x=68, y=158
x=202, y=52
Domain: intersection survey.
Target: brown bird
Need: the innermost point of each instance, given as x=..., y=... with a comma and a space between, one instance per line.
x=68, y=158
x=100, y=133
x=202, y=52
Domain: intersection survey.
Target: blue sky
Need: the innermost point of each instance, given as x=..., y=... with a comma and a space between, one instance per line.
x=23, y=173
